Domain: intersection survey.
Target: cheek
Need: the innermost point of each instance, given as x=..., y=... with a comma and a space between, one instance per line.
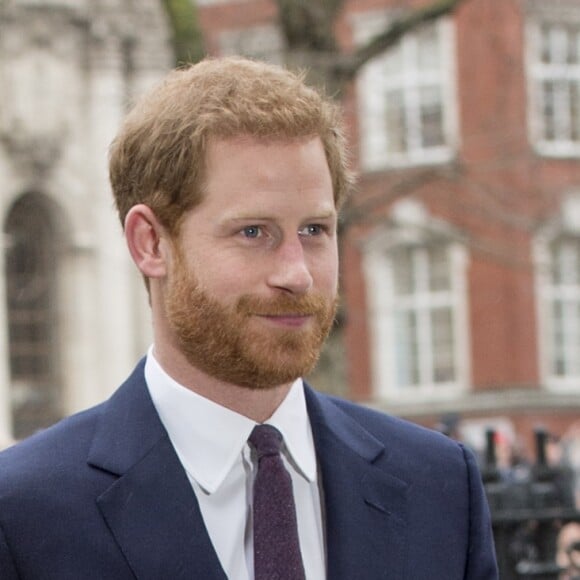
x=227, y=279
x=326, y=276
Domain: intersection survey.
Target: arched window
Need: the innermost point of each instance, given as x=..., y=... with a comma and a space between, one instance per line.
x=31, y=263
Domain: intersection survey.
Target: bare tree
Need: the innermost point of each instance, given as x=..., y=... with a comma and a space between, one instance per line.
x=187, y=38
x=309, y=28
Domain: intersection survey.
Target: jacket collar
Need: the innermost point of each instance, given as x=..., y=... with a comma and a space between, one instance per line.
x=365, y=506
x=150, y=508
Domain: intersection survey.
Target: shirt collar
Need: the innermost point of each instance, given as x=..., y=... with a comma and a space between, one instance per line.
x=291, y=419
x=209, y=438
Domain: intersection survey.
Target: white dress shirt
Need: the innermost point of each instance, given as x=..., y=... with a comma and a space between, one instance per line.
x=211, y=443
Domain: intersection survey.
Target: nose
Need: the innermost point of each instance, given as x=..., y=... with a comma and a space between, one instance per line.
x=290, y=271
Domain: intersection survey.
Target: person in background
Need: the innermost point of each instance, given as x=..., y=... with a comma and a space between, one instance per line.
x=215, y=459
x=568, y=551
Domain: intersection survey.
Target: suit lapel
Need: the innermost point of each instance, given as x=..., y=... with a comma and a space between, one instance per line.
x=365, y=507
x=150, y=508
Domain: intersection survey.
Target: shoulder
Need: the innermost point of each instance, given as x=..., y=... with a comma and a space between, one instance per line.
x=385, y=426
x=52, y=454
x=48, y=453
x=407, y=446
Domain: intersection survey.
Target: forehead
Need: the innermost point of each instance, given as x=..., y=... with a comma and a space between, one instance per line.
x=228, y=151
x=242, y=169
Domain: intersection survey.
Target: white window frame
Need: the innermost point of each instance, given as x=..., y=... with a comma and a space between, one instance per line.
x=561, y=14
x=566, y=223
x=372, y=85
x=381, y=312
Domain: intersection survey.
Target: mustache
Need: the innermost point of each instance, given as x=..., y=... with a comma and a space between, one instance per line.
x=309, y=305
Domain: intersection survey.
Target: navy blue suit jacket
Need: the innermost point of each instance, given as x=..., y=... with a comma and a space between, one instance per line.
x=102, y=496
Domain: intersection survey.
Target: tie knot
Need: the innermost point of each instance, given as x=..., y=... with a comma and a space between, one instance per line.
x=266, y=440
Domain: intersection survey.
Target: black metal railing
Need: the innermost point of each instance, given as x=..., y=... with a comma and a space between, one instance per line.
x=528, y=509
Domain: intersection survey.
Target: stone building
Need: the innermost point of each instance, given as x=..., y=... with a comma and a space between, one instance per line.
x=73, y=314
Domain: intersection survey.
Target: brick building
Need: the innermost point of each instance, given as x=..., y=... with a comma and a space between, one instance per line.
x=461, y=251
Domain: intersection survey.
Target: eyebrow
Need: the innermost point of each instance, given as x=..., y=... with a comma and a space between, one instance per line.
x=323, y=216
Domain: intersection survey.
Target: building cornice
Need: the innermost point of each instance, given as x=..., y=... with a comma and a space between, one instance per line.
x=496, y=401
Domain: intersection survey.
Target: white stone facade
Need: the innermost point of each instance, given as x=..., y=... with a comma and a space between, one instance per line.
x=68, y=69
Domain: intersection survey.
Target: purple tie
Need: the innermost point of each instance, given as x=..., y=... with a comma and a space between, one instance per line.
x=276, y=545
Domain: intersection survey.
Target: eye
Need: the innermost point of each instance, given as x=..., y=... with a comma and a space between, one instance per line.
x=311, y=230
x=252, y=232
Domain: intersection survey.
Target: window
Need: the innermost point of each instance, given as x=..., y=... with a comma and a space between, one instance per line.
x=405, y=99
x=554, y=72
x=416, y=285
x=423, y=316
x=31, y=260
x=557, y=252
x=563, y=294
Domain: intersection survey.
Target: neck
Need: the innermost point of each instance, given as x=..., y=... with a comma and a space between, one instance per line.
x=256, y=404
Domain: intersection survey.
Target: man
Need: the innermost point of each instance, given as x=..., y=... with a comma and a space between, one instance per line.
x=568, y=551
x=228, y=178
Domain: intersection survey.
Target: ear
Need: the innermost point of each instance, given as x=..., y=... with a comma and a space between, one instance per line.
x=146, y=240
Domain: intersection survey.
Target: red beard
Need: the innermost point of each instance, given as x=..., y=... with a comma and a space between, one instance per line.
x=232, y=344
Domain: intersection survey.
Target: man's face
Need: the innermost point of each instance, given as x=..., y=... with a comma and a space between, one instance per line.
x=568, y=551
x=252, y=289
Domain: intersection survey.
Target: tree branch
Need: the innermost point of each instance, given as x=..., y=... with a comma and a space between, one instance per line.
x=187, y=37
x=361, y=211
x=308, y=25
x=389, y=37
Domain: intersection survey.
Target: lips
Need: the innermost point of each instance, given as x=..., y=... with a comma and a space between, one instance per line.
x=284, y=314
x=288, y=320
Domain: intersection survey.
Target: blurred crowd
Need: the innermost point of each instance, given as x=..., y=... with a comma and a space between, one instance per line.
x=534, y=497
x=561, y=457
